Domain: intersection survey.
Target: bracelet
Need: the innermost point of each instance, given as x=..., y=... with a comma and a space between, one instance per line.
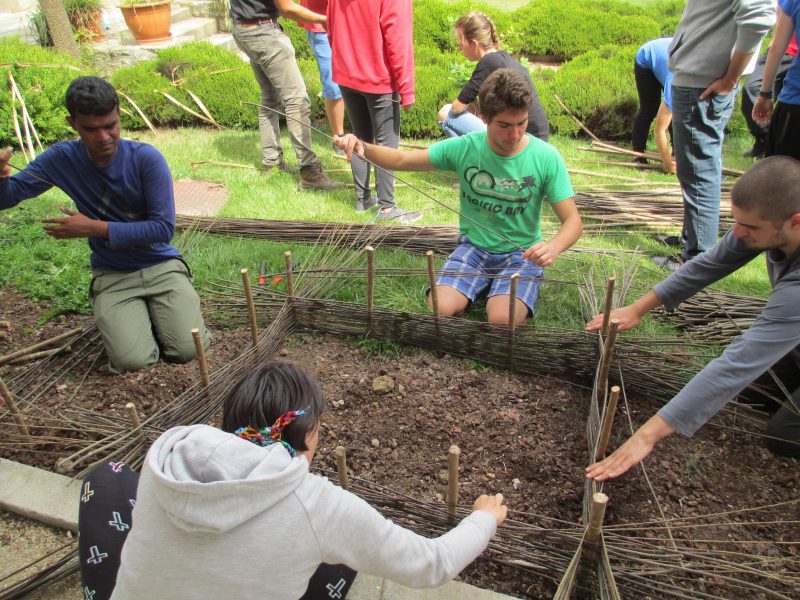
x=763, y=94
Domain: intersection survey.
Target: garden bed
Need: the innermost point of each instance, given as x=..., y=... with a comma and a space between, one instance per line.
x=520, y=436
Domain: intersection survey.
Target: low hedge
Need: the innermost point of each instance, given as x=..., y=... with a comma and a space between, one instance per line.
x=42, y=76
x=598, y=87
x=567, y=28
x=219, y=78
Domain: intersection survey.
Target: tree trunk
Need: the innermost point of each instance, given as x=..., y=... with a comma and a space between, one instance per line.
x=58, y=24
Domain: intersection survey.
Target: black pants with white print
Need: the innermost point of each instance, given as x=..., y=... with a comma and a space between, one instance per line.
x=108, y=496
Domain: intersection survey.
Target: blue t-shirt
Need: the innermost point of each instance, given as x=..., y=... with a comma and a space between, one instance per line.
x=134, y=194
x=654, y=55
x=790, y=94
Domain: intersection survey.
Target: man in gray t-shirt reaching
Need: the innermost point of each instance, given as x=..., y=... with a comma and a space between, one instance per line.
x=766, y=207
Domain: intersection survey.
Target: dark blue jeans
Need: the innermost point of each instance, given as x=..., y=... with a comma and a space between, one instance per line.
x=698, y=129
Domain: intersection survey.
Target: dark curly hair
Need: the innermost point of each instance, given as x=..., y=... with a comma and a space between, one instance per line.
x=91, y=96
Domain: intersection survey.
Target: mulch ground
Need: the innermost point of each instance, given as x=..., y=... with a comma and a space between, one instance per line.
x=520, y=436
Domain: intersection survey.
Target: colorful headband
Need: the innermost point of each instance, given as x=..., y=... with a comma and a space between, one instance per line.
x=272, y=435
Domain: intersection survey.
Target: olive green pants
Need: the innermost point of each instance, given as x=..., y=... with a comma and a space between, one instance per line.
x=144, y=313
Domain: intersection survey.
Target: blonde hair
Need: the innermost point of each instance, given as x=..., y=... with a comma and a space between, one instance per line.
x=479, y=27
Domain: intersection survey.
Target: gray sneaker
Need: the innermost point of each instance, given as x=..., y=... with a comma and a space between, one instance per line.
x=281, y=166
x=403, y=216
x=312, y=177
x=363, y=204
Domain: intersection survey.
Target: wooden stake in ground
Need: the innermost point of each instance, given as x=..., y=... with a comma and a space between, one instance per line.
x=6, y=395
x=512, y=305
x=370, y=285
x=5, y=325
x=341, y=466
x=609, y=301
x=251, y=307
x=130, y=408
x=591, y=540
x=605, y=360
x=605, y=429
x=432, y=280
x=201, y=357
x=452, y=479
x=287, y=256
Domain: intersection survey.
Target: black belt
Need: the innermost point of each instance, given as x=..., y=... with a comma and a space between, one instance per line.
x=256, y=21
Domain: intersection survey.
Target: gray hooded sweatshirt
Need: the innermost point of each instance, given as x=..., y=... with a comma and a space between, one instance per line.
x=219, y=517
x=708, y=33
x=773, y=335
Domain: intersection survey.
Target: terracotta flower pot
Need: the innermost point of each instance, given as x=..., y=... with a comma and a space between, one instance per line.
x=88, y=26
x=149, y=22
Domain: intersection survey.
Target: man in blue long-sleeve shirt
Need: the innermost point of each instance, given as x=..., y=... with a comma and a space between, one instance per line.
x=766, y=207
x=144, y=302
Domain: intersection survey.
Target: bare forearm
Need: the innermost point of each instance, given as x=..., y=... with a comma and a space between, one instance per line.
x=571, y=229
x=295, y=12
x=397, y=160
x=736, y=67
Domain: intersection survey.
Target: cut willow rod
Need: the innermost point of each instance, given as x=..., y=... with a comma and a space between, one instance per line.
x=403, y=181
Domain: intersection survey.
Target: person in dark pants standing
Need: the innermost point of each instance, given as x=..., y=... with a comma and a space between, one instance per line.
x=259, y=35
x=750, y=96
x=373, y=63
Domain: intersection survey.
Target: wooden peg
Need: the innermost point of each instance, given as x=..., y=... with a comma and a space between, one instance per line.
x=432, y=280
x=608, y=420
x=341, y=466
x=512, y=304
x=287, y=257
x=609, y=301
x=201, y=357
x=130, y=408
x=251, y=307
x=6, y=395
x=452, y=479
x=370, y=284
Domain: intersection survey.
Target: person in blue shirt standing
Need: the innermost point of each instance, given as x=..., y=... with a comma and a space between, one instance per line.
x=653, y=82
x=783, y=136
x=144, y=302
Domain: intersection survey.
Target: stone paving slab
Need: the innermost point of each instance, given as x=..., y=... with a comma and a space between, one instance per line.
x=40, y=495
x=198, y=198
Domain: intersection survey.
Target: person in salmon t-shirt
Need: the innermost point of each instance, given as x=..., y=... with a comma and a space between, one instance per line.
x=320, y=46
x=373, y=63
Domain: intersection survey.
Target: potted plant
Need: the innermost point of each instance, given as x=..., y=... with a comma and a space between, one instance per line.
x=148, y=20
x=84, y=16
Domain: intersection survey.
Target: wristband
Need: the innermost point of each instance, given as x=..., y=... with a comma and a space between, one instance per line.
x=763, y=94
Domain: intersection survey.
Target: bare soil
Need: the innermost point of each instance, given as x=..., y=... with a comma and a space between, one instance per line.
x=520, y=436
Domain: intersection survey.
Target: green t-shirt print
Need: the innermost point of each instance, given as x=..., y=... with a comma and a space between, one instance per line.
x=504, y=193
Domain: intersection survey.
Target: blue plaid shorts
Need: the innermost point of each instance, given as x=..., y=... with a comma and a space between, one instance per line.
x=475, y=272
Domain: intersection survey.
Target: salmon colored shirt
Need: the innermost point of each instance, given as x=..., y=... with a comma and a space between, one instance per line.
x=318, y=6
x=373, y=47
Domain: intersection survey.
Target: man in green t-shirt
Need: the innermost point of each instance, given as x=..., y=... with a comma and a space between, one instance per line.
x=505, y=176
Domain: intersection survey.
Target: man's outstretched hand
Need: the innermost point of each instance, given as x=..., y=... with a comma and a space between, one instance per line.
x=74, y=225
x=632, y=452
x=5, y=168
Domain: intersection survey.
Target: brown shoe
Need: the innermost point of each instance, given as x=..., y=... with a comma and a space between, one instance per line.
x=281, y=166
x=312, y=177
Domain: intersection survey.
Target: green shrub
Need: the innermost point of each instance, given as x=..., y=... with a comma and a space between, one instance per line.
x=667, y=13
x=42, y=87
x=598, y=87
x=218, y=77
x=567, y=28
x=433, y=22
x=436, y=84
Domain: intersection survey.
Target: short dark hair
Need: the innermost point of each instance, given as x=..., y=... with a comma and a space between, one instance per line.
x=771, y=187
x=91, y=96
x=505, y=89
x=270, y=391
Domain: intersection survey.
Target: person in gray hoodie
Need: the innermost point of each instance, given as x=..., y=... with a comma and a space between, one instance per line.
x=766, y=208
x=712, y=45
x=235, y=513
